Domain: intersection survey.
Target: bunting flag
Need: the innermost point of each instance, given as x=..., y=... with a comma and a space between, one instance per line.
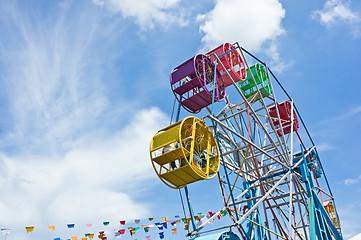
x=164, y=225
x=89, y=224
x=159, y=225
x=176, y=217
x=197, y=218
x=147, y=237
x=121, y=231
x=151, y=225
x=188, y=215
x=57, y=238
x=84, y=238
x=174, y=230
x=165, y=219
x=51, y=227
x=71, y=225
x=106, y=223
x=74, y=238
x=136, y=229
x=146, y=229
x=122, y=222
x=143, y=226
x=150, y=219
x=210, y=214
x=161, y=235
x=29, y=229
x=91, y=235
x=5, y=231
x=101, y=236
x=137, y=221
x=186, y=227
x=222, y=214
x=130, y=228
x=131, y=232
x=173, y=223
x=199, y=214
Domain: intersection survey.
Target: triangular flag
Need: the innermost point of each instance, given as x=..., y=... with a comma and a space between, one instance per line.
x=147, y=237
x=131, y=232
x=74, y=238
x=164, y=225
x=197, y=218
x=143, y=226
x=29, y=229
x=136, y=228
x=130, y=228
x=165, y=219
x=146, y=229
x=137, y=221
x=186, y=227
x=199, y=214
x=121, y=231
x=173, y=223
x=106, y=223
x=210, y=214
x=159, y=225
x=51, y=227
x=174, y=230
x=150, y=219
x=71, y=225
x=161, y=235
x=57, y=238
x=91, y=235
x=176, y=217
x=84, y=238
x=151, y=225
x=89, y=224
x=122, y=222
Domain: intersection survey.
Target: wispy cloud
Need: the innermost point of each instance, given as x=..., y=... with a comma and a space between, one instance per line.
x=351, y=181
x=147, y=13
x=336, y=12
x=325, y=147
x=67, y=151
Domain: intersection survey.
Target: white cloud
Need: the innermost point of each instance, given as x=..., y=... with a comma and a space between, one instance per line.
x=95, y=181
x=351, y=181
x=324, y=147
x=147, y=13
x=335, y=12
x=251, y=23
x=67, y=152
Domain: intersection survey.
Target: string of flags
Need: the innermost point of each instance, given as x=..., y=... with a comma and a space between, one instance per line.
x=161, y=226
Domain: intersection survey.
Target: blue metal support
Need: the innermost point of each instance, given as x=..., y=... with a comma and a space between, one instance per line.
x=321, y=225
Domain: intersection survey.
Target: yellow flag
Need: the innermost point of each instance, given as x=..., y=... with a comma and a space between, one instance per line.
x=174, y=230
x=74, y=238
x=165, y=219
x=91, y=235
x=84, y=238
x=29, y=229
x=51, y=227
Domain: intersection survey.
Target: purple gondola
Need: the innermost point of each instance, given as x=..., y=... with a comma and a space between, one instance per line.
x=192, y=83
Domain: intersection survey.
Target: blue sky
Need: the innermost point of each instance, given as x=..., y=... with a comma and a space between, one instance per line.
x=85, y=85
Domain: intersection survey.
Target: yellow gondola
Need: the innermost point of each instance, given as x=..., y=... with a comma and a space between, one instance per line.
x=184, y=152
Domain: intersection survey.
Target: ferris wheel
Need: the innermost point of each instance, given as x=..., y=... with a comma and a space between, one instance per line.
x=272, y=182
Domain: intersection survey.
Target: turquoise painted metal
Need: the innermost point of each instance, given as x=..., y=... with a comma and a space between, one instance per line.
x=219, y=236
